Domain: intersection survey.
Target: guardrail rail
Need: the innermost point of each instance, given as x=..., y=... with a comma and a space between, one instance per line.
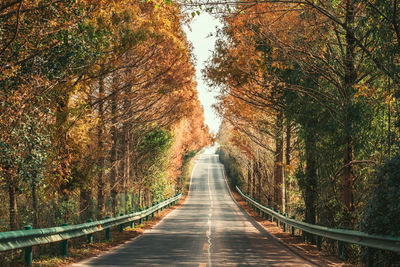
x=33, y=237
x=341, y=235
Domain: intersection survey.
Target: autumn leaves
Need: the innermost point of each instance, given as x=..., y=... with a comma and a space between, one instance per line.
x=298, y=120
x=98, y=108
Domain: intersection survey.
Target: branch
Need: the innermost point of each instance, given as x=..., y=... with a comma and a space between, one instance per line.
x=16, y=29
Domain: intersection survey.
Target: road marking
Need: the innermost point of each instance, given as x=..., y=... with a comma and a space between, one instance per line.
x=208, y=233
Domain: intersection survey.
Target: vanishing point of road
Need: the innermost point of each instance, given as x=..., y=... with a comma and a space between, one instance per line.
x=208, y=230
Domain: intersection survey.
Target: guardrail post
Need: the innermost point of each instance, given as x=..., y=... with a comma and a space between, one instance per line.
x=284, y=224
x=64, y=245
x=90, y=236
x=319, y=242
x=121, y=226
x=303, y=234
x=107, y=231
x=272, y=217
x=28, y=250
x=152, y=214
x=147, y=216
x=341, y=250
x=141, y=219
x=158, y=210
x=293, y=229
x=278, y=222
x=132, y=224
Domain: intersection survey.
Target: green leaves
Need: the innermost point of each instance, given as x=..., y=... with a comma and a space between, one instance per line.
x=157, y=140
x=382, y=213
x=194, y=13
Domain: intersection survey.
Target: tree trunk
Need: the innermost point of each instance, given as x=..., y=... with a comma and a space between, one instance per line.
x=60, y=139
x=122, y=167
x=125, y=163
x=249, y=177
x=258, y=163
x=84, y=198
x=12, y=194
x=348, y=180
x=254, y=179
x=127, y=170
x=287, y=164
x=114, y=153
x=101, y=206
x=350, y=78
x=278, y=173
x=35, y=206
x=310, y=192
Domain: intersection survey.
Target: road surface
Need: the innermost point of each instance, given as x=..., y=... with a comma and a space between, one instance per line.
x=208, y=230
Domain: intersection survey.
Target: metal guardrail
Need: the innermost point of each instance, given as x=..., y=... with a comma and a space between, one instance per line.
x=32, y=237
x=343, y=235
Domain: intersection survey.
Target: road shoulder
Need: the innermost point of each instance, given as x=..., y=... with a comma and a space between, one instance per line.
x=294, y=243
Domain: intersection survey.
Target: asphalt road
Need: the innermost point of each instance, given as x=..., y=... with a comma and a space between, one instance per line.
x=208, y=230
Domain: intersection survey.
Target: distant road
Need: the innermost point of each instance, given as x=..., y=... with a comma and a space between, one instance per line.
x=208, y=230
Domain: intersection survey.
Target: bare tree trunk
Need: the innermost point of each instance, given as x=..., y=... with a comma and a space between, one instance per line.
x=258, y=163
x=85, y=206
x=348, y=178
x=310, y=191
x=114, y=153
x=350, y=77
x=35, y=206
x=125, y=164
x=249, y=177
x=122, y=168
x=286, y=186
x=278, y=172
x=101, y=206
x=140, y=198
x=254, y=172
x=13, y=210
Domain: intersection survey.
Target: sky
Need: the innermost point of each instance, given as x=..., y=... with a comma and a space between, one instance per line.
x=203, y=45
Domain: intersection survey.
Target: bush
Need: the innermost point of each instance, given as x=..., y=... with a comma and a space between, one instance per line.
x=232, y=167
x=382, y=212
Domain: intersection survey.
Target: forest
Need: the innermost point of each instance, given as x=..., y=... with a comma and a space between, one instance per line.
x=99, y=113
x=309, y=96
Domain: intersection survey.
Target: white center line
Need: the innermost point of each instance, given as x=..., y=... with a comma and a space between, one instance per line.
x=209, y=219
